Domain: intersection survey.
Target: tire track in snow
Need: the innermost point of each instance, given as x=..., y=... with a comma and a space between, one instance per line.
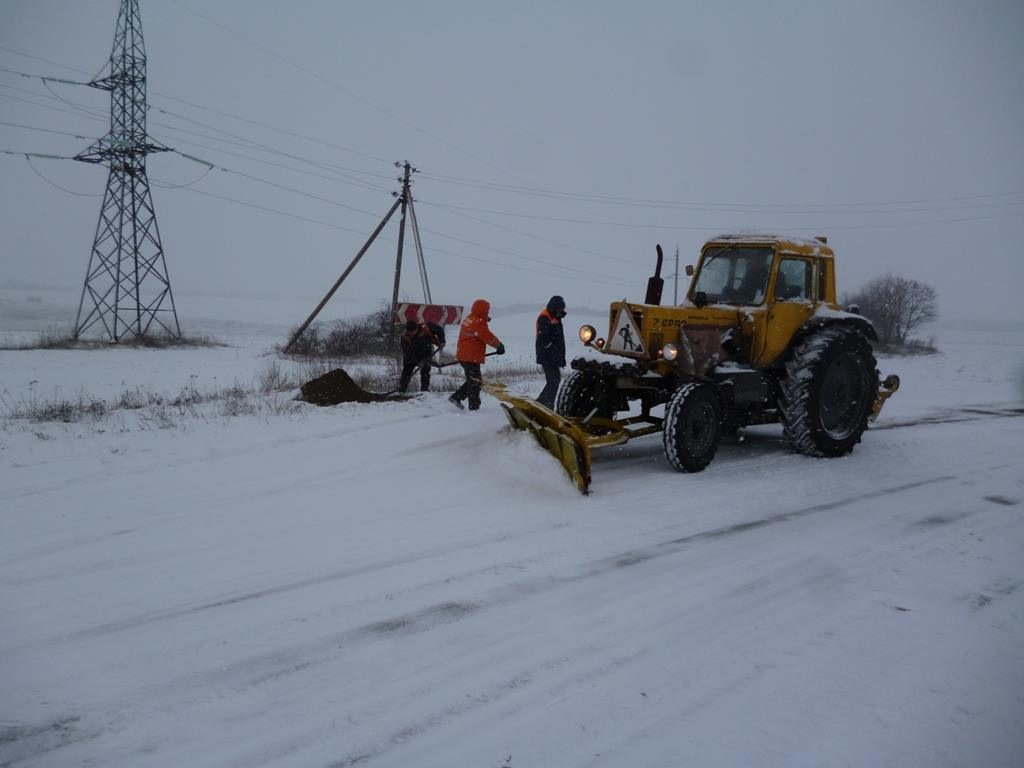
x=165, y=615
x=953, y=416
x=260, y=669
x=763, y=449
x=266, y=669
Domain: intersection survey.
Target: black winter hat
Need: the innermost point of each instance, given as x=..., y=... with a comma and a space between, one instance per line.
x=556, y=305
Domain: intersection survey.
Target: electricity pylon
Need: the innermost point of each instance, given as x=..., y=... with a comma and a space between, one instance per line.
x=127, y=283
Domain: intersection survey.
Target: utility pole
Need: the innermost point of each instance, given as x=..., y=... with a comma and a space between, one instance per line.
x=404, y=198
x=405, y=202
x=126, y=283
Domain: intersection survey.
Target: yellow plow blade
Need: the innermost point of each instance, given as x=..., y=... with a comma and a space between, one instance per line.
x=560, y=437
x=886, y=389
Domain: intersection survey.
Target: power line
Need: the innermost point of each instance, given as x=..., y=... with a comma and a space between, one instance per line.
x=277, y=185
x=353, y=182
x=250, y=144
x=43, y=106
x=683, y=227
x=284, y=131
x=706, y=206
x=329, y=201
x=511, y=253
x=343, y=89
x=45, y=61
x=582, y=276
x=28, y=158
x=168, y=185
x=45, y=130
x=79, y=107
x=587, y=251
x=698, y=205
x=211, y=166
x=589, y=222
x=243, y=141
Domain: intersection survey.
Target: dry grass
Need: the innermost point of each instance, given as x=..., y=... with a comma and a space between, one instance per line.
x=910, y=348
x=57, y=338
x=266, y=395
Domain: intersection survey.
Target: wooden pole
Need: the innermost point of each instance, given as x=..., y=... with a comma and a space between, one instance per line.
x=325, y=299
x=404, y=200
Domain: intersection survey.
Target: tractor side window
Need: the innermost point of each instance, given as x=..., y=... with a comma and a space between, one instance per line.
x=794, y=281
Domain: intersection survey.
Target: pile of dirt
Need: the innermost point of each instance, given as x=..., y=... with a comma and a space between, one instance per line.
x=337, y=387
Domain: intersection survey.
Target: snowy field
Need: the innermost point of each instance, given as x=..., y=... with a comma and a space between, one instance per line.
x=404, y=584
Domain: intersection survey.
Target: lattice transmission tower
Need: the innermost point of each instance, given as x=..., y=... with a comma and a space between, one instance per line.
x=127, y=290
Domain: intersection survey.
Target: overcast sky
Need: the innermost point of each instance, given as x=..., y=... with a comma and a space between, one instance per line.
x=557, y=142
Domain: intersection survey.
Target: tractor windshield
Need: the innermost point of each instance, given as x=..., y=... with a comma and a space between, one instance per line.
x=734, y=275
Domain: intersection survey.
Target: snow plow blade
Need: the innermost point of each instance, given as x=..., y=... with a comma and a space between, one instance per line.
x=886, y=389
x=559, y=436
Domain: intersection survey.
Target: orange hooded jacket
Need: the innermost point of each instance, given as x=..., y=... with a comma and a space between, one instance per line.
x=475, y=335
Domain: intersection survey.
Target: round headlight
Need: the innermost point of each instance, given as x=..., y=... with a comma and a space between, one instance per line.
x=670, y=352
x=587, y=333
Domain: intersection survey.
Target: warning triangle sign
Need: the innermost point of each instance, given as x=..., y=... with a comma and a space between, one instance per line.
x=626, y=336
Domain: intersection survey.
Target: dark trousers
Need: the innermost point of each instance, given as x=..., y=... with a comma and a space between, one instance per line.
x=552, y=375
x=407, y=371
x=471, y=387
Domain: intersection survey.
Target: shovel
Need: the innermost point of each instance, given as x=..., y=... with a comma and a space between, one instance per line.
x=455, y=362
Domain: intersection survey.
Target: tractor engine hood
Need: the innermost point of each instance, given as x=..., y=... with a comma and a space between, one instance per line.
x=640, y=330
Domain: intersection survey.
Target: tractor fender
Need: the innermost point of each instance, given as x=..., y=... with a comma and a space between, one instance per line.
x=827, y=318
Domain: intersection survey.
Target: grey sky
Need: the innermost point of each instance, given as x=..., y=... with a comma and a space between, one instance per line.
x=893, y=128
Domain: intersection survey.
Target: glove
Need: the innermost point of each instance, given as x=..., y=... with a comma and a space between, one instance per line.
x=501, y=348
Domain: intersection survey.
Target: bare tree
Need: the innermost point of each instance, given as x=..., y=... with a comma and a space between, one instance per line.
x=897, y=306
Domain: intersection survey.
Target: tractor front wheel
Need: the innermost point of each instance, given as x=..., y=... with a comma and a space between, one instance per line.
x=693, y=424
x=581, y=395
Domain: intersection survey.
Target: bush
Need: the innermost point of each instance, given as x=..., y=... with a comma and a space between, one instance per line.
x=897, y=306
x=361, y=336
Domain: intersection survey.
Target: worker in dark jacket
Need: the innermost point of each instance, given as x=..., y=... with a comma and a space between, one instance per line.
x=551, y=348
x=418, y=346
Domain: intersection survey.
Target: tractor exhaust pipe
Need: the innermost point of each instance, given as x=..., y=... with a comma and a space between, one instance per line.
x=655, y=284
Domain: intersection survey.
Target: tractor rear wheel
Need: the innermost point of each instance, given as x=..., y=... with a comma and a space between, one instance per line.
x=827, y=393
x=693, y=424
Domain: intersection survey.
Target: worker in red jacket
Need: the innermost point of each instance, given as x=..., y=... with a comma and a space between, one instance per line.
x=474, y=338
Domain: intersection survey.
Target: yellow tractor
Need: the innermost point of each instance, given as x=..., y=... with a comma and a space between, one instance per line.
x=758, y=339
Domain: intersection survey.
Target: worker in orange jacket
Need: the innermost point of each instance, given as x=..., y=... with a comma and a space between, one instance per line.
x=474, y=338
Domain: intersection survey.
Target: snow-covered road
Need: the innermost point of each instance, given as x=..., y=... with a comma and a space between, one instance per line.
x=399, y=585
x=410, y=585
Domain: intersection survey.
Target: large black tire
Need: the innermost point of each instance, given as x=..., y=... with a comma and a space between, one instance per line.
x=827, y=393
x=693, y=425
x=580, y=393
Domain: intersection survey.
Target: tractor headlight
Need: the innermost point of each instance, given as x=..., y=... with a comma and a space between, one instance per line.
x=587, y=334
x=670, y=352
